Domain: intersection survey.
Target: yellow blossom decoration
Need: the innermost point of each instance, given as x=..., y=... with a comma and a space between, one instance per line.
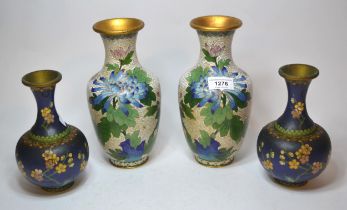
x=47, y=115
x=83, y=165
x=316, y=167
x=299, y=106
x=51, y=159
x=293, y=164
x=61, y=168
x=267, y=164
x=37, y=174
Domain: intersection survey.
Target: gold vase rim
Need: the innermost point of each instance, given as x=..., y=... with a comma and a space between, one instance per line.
x=298, y=72
x=215, y=23
x=41, y=78
x=118, y=26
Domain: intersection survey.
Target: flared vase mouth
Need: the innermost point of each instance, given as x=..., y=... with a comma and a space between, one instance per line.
x=215, y=23
x=298, y=72
x=118, y=26
x=41, y=78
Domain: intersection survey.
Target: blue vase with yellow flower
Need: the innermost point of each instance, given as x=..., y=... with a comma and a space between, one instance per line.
x=293, y=149
x=52, y=153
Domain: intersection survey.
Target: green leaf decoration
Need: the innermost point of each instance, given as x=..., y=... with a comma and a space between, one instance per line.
x=210, y=118
x=127, y=60
x=187, y=110
x=222, y=63
x=205, y=139
x=150, y=97
x=119, y=117
x=113, y=67
x=188, y=98
x=196, y=73
x=140, y=75
x=237, y=128
x=134, y=138
x=224, y=128
x=116, y=154
x=208, y=57
x=105, y=128
x=151, y=110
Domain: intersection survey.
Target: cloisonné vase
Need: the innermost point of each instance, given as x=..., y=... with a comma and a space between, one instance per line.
x=293, y=149
x=124, y=99
x=52, y=153
x=214, y=96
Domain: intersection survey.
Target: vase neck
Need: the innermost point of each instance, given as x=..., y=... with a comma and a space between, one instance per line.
x=295, y=116
x=217, y=44
x=48, y=122
x=118, y=47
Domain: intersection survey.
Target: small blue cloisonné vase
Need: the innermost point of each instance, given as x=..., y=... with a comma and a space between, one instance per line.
x=293, y=149
x=52, y=153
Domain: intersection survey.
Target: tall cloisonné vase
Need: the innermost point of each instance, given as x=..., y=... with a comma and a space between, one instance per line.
x=293, y=149
x=52, y=153
x=214, y=96
x=124, y=99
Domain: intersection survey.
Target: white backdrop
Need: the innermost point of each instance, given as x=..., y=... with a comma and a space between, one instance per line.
x=58, y=35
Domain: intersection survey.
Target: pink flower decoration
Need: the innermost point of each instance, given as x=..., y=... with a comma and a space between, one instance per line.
x=119, y=53
x=214, y=49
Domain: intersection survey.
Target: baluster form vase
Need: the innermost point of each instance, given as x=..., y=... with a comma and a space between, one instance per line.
x=293, y=149
x=52, y=153
x=214, y=96
x=124, y=99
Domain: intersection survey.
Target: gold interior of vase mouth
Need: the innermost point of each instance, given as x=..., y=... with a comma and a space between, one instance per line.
x=215, y=23
x=41, y=78
x=118, y=26
x=298, y=72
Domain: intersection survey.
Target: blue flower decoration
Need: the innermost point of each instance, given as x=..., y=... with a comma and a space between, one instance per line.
x=132, y=154
x=210, y=153
x=119, y=88
x=201, y=90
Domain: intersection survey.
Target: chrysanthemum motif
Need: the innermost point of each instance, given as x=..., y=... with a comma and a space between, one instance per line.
x=119, y=88
x=201, y=89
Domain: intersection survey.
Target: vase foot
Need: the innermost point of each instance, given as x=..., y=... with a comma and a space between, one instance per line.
x=214, y=164
x=58, y=189
x=129, y=165
x=289, y=184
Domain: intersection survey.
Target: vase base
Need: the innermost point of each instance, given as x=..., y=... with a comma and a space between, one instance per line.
x=214, y=164
x=289, y=184
x=58, y=189
x=129, y=165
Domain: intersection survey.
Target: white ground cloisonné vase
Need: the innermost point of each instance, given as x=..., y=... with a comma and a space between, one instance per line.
x=124, y=99
x=214, y=96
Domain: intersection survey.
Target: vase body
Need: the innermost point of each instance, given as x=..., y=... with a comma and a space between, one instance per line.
x=52, y=153
x=293, y=149
x=214, y=116
x=124, y=102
